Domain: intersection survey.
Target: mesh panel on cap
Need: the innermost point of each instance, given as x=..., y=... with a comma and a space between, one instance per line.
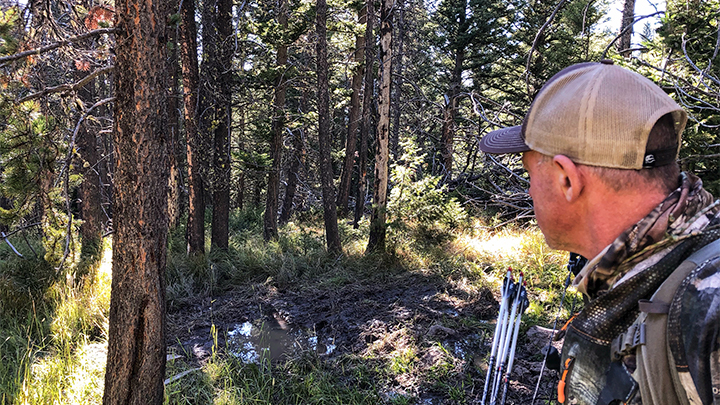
x=551, y=128
x=597, y=114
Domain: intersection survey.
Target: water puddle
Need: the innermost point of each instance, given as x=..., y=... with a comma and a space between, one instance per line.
x=253, y=343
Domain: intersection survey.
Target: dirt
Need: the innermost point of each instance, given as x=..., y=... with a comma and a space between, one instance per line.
x=381, y=317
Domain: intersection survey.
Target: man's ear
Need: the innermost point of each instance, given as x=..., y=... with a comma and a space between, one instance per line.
x=567, y=177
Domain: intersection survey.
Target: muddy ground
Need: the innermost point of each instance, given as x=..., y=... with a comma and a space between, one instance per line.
x=381, y=317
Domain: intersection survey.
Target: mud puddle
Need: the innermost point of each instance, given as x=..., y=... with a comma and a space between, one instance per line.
x=449, y=327
x=257, y=342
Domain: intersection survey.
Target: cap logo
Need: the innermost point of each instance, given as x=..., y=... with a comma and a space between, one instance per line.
x=649, y=159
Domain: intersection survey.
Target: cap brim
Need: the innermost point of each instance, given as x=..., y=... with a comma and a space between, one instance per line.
x=505, y=140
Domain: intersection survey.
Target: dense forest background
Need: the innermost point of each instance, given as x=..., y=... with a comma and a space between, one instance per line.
x=246, y=127
x=359, y=112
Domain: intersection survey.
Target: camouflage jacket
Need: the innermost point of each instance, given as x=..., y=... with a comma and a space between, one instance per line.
x=631, y=269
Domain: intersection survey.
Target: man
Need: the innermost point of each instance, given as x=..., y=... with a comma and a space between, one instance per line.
x=600, y=145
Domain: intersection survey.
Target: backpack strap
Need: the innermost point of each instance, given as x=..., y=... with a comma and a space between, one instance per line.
x=682, y=379
x=656, y=374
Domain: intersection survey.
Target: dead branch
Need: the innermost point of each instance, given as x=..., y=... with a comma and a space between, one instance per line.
x=675, y=77
x=10, y=58
x=9, y=234
x=623, y=32
x=703, y=73
x=539, y=34
x=5, y=238
x=63, y=88
x=712, y=156
x=71, y=147
x=66, y=179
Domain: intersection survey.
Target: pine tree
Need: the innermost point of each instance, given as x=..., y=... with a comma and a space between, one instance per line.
x=136, y=347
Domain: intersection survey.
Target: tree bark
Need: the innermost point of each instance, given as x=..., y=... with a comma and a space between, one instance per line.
x=136, y=343
x=365, y=123
x=174, y=196
x=398, y=74
x=257, y=191
x=628, y=17
x=270, y=230
x=447, y=139
x=195, y=233
x=332, y=234
x=90, y=199
x=221, y=145
x=377, y=221
x=297, y=165
x=353, y=121
x=240, y=196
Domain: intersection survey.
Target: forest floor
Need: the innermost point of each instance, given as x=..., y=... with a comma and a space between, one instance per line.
x=430, y=336
x=287, y=323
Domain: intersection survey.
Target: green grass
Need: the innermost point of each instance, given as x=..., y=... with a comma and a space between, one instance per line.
x=52, y=333
x=53, y=330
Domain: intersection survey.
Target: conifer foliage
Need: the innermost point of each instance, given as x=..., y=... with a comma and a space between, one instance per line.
x=283, y=106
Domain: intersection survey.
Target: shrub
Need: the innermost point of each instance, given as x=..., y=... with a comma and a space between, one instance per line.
x=418, y=202
x=22, y=281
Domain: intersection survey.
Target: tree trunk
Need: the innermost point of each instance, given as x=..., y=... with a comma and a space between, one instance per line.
x=365, y=123
x=240, y=196
x=196, y=202
x=221, y=145
x=377, y=221
x=136, y=347
x=332, y=234
x=257, y=191
x=6, y=204
x=398, y=74
x=354, y=120
x=174, y=196
x=90, y=200
x=627, y=21
x=278, y=126
x=297, y=165
x=447, y=139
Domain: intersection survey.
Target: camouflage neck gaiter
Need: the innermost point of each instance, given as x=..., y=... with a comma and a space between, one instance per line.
x=683, y=213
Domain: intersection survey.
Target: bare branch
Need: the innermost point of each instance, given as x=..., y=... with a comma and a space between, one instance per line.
x=2, y=234
x=717, y=43
x=702, y=73
x=10, y=58
x=497, y=162
x=677, y=78
x=629, y=27
x=71, y=147
x=712, y=156
x=540, y=32
x=66, y=179
x=22, y=229
x=66, y=87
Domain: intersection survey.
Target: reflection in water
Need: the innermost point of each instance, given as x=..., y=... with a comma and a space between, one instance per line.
x=252, y=343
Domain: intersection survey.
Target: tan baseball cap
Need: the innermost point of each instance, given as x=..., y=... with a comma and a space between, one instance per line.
x=596, y=114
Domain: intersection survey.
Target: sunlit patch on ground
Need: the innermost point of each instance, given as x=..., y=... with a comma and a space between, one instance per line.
x=88, y=379
x=490, y=247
